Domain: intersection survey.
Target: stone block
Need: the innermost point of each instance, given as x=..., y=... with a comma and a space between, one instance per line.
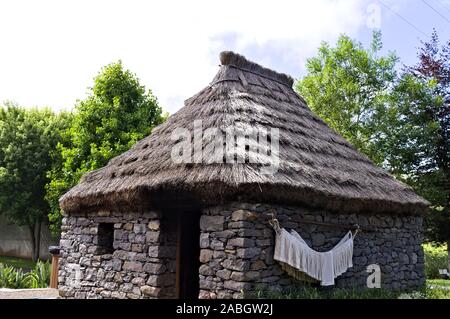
x=154, y=225
x=114, y=264
x=211, y=223
x=152, y=236
x=205, y=255
x=153, y=251
x=248, y=253
x=318, y=239
x=137, y=248
x=224, y=274
x=216, y=244
x=128, y=226
x=139, y=228
x=207, y=284
x=150, y=291
x=132, y=266
x=258, y=265
x=205, y=270
x=241, y=242
x=154, y=268
x=237, y=265
x=225, y=234
x=243, y=215
x=236, y=286
x=204, y=240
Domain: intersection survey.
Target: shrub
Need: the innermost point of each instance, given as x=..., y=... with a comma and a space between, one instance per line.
x=13, y=278
x=436, y=257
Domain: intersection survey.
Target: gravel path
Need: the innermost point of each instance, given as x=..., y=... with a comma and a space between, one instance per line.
x=42, y=293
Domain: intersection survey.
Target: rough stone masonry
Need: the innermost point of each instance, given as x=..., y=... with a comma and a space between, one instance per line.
x=142, y=264
x=236, y=252
x=237, y=249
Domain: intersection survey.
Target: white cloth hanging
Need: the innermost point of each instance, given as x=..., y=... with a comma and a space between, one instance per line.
x=290, y=248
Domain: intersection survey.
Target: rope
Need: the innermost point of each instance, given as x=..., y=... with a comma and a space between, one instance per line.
x=275, y=225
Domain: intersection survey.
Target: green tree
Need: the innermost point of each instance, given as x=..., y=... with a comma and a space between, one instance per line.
x=348, y=86
x=118, y=112
x=57, y=181
x=423, y=97
x=27, y=138
x=401, y=120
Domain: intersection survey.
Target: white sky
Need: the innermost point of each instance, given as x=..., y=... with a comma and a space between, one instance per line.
x=51, y=50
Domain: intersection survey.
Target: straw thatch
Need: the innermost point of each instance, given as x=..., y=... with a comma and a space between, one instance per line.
x=317, y=166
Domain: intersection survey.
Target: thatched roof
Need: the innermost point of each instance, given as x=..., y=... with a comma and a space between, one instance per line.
x=317, y=166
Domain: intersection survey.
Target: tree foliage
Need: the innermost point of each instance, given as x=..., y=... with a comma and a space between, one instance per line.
x=118, y=112
x=430, y=169
x=27, y=139
x=348, y=86
x=401, y=120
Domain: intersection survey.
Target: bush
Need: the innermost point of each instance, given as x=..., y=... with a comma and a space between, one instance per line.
x=13, y=278
x=436, y=257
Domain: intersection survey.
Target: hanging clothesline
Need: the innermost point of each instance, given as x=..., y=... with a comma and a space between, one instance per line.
x=326, y=224
x=335, y=225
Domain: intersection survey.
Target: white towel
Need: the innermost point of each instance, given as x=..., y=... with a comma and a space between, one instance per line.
x=290, y=248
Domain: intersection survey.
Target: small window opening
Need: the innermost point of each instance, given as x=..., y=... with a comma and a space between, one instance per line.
x=105, y=236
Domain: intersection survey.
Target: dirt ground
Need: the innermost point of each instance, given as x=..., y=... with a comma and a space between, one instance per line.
x=43, y=293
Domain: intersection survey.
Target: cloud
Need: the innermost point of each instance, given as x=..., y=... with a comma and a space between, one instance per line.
x=51, y=50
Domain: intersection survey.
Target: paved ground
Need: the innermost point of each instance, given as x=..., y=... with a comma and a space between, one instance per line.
x=42, y=293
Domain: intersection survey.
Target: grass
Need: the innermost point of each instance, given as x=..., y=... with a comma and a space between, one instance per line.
x=437, y=293
x=439, y=282
x=18, y=263
x=311, y=292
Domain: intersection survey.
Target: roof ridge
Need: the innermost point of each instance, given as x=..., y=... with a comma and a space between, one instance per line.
x=230, y=58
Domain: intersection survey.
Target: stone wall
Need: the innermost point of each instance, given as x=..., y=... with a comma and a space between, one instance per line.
x=237, y=248
x=142, y=264
x=236, y=253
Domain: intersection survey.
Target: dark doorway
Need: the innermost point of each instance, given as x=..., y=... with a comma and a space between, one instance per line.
x=188, y=254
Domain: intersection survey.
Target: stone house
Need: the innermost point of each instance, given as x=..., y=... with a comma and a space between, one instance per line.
x=156, y=222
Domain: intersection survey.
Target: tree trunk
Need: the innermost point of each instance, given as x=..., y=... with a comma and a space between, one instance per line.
x=37, y=241
x=33, y=241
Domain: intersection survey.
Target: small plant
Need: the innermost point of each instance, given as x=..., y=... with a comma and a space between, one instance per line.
x=13, y=278
x=42, y=271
